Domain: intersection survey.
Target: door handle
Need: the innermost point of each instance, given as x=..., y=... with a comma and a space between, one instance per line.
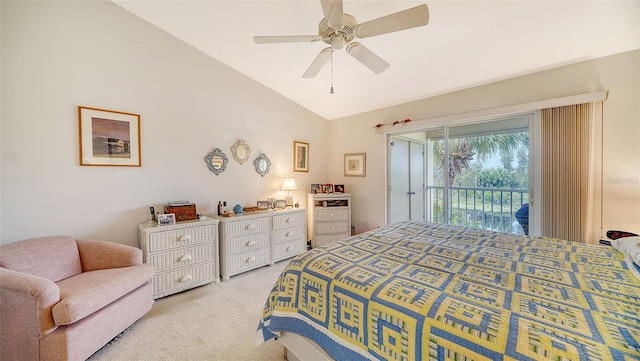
x=411, y=193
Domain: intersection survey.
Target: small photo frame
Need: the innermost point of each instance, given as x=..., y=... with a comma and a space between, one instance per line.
x=300, y=156
x=109, y=137
x=314, y=188
x=338, y=188
x=166, y=219
x=271, y=203
x=327, y=188
x=262, y=205
x=288, y=201
x=281, y=203
x=355, y=165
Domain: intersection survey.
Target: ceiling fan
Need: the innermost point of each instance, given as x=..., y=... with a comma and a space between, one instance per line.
x=339, y=29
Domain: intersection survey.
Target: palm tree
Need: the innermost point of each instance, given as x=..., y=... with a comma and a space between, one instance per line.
x=462, y=150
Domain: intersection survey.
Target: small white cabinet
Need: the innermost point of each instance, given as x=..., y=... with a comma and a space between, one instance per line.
x=329, y=217
x=184, y=255
x=250, y=241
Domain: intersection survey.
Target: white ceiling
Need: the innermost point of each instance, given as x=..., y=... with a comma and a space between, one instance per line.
x=465, y=44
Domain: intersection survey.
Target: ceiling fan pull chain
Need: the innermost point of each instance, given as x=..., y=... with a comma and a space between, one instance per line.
x=331, y=90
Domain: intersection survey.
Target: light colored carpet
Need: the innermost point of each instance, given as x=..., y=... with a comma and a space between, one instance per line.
x=212, y=322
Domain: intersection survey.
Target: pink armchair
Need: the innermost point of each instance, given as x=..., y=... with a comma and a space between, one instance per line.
x=63, y=299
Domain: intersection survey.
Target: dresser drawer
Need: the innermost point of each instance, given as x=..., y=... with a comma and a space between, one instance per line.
x=288, y=234
x=288, y=249
x=332, y=227
x=180, y=238
x=325, y=239
x=332, y=214
x=248, y=226
x=247, y=261
x=182, y=257
x=288, y=220
x=247, y=243
x=167, y=283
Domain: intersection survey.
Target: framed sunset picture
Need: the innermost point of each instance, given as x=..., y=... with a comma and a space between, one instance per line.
x=109, y=138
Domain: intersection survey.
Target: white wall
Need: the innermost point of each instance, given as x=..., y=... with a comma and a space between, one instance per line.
x=620, y=74
x=59, y=55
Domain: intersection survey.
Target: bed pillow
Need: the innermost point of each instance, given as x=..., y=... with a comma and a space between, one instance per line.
x=629, y=246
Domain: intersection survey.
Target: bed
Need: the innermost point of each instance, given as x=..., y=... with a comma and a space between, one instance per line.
x=421, y=291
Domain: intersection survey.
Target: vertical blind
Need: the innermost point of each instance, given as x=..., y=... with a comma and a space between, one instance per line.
x=567, y=172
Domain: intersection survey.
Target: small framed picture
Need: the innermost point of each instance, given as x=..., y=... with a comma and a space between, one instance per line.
x=314, y=188
x=271, y=203
x=281, y=203
x=300, y=156
x=338, y=188
x=327, y=188
x=263, y=205
x=355, y=165
x=166, y=219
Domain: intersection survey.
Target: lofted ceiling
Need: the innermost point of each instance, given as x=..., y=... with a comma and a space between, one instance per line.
x=465, y=44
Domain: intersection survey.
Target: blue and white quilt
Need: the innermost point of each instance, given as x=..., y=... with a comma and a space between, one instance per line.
x=419, y=291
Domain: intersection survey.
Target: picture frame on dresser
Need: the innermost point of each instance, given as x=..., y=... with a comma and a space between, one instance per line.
x=166, y=219
x=108, y=137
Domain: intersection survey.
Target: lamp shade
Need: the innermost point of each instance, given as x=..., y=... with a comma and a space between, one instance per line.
x=288, y=184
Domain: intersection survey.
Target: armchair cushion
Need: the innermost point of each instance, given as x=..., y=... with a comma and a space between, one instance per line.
x=38, y=255
x=97, y=255
x=88, y=292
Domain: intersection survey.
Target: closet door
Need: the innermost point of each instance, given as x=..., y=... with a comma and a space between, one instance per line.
x=399, y=206
x=406, y=192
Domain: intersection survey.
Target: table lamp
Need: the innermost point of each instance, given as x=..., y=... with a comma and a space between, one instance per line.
x=288, y=184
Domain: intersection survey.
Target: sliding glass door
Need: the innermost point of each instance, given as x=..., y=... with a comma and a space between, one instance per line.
x=475, y=175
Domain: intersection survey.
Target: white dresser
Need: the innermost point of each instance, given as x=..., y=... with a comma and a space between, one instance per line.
x=329, y=217
x=184, y=255
x=253, y=240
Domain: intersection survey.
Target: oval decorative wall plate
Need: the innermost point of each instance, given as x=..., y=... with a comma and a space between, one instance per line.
x=216, y=161
x=262, y=164
x=241, y=151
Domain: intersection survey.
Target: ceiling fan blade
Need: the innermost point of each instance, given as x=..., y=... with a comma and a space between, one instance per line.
x=317, y=64
x=407, y=19
x=333, y=12
x=286, y=39
x=367, y=57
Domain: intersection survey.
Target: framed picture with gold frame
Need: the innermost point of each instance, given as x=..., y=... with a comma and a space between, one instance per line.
x=300, y=156
x=109, y=137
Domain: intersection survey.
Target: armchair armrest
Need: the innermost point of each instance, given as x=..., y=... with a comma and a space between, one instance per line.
x=96, y=255
x=27, y=301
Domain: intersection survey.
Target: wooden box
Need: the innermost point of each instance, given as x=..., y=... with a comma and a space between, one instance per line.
x=185, y=212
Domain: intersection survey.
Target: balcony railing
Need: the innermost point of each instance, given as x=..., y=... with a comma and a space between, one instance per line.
x=485, y=208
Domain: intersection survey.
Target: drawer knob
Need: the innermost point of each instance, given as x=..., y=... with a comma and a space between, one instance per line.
x=185, y=278
x=186, y=257
x=333, y=227
x=185, y=238
x=251, y=260
x=289, y=220
x=288, y=234
x=251, y=243
x=333, y=215
x=289, y=249
x=250, y=226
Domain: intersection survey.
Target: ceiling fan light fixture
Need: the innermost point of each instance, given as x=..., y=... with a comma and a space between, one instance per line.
x=338, y=29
